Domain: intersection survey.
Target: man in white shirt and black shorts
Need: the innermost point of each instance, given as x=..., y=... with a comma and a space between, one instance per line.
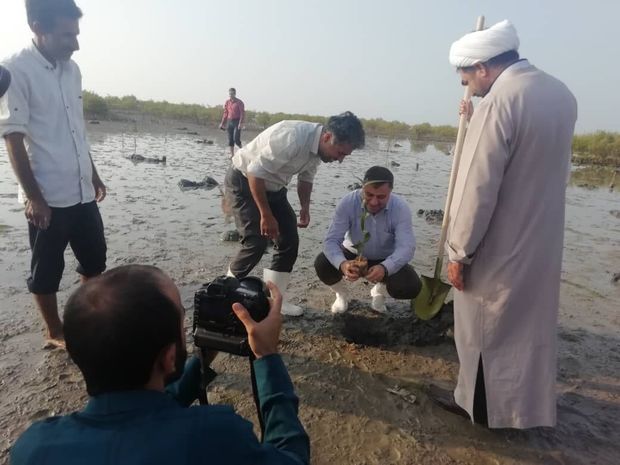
x=256, y=190
x=42, y=122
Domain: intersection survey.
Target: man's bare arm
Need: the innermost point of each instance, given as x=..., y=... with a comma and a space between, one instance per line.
x=268, y=223
x=37, y=210
x=100, y=189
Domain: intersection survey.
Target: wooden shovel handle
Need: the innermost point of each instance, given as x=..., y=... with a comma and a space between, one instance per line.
x=458, y=148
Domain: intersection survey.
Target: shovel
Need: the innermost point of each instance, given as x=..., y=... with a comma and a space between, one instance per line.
x=434, y=291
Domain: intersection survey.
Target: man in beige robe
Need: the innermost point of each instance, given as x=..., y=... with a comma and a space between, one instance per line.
x=506, y=232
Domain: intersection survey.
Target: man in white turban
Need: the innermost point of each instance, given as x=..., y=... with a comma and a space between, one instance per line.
x=481, y=46
x=506, y=233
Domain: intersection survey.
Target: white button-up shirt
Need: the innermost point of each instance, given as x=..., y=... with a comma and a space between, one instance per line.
x=281, y=151
x=45, y=104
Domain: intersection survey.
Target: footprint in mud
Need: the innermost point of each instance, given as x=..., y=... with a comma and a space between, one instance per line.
x=571, y=337
x=569, y=366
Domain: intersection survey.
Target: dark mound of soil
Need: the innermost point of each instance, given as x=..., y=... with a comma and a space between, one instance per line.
x=364, y=327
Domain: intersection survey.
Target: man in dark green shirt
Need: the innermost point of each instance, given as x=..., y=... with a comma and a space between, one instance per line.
x=124, y=330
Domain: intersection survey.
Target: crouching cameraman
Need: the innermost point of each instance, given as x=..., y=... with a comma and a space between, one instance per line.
x=124, y=330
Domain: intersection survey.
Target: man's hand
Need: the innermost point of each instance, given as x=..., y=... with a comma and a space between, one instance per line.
x=38, y=213
x=375, y=274
x=466, y=108
x=455, y=275
x=222, y=127
x=350, y=270
x=304, y=218
x=100, y=189
x=263, y=336
x=269, y=226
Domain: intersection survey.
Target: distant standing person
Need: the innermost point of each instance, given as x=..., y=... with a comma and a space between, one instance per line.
x=234, y=113
x=256, y=188
x=506, y=232
x=42, y=122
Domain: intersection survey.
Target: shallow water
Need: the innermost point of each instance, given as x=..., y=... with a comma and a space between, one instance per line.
x=145, y=210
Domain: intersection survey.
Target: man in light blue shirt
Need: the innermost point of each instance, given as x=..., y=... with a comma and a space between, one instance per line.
x=385, y=239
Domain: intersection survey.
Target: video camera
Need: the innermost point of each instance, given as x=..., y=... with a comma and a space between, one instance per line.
x=215, y=325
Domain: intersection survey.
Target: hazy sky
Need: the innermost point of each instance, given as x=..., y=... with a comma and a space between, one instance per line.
x=378, y=58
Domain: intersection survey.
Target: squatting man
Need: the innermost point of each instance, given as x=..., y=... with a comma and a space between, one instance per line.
x=389, y=247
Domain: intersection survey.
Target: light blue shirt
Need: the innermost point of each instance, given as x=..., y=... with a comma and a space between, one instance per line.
x=391, y=233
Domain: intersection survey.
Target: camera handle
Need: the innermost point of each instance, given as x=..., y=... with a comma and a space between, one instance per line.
x=261, y=420
x=205, y=379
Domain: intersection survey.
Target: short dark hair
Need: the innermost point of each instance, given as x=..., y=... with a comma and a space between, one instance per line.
x=117, y=324
x=502, y=59
x=378, y=175
x=347, y=129
x=232, y=89
x=5, y=80
x=46, y=12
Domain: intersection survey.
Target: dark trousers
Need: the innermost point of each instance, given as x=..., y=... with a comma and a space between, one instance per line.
x=404, y=284
x=480, y=398
x=247, y=219
x=234, y=133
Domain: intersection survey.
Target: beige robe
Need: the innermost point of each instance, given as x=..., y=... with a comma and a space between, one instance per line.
x=507, y=226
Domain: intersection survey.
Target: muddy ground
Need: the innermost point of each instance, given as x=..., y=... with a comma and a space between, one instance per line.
x=359, y=376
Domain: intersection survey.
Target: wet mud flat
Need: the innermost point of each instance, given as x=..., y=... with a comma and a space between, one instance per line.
x=360, y=376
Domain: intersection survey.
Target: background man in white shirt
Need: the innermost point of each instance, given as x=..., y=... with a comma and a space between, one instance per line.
x=256, y=189
x=42, y=122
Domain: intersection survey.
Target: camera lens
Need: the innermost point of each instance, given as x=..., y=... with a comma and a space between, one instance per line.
x=255, y=298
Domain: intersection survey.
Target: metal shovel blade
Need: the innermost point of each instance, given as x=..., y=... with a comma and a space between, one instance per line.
x=431, y=297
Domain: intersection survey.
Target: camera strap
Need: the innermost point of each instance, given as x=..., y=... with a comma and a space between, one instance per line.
x=205, y=379
x=261, y=421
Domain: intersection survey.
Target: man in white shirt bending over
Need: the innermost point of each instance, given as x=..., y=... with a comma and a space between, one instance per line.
x=256, y=189
x=42, y=122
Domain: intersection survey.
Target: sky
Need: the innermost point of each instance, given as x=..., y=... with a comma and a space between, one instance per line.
x=378, y=58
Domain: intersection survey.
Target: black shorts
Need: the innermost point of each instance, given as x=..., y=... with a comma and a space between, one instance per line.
x=81, y=227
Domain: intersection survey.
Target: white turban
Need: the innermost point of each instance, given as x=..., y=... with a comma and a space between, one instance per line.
x=481, y=46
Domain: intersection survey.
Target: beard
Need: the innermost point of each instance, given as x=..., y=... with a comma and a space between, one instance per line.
x=324, y=158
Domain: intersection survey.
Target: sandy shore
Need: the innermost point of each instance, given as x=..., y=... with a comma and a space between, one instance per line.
x=347, y=389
